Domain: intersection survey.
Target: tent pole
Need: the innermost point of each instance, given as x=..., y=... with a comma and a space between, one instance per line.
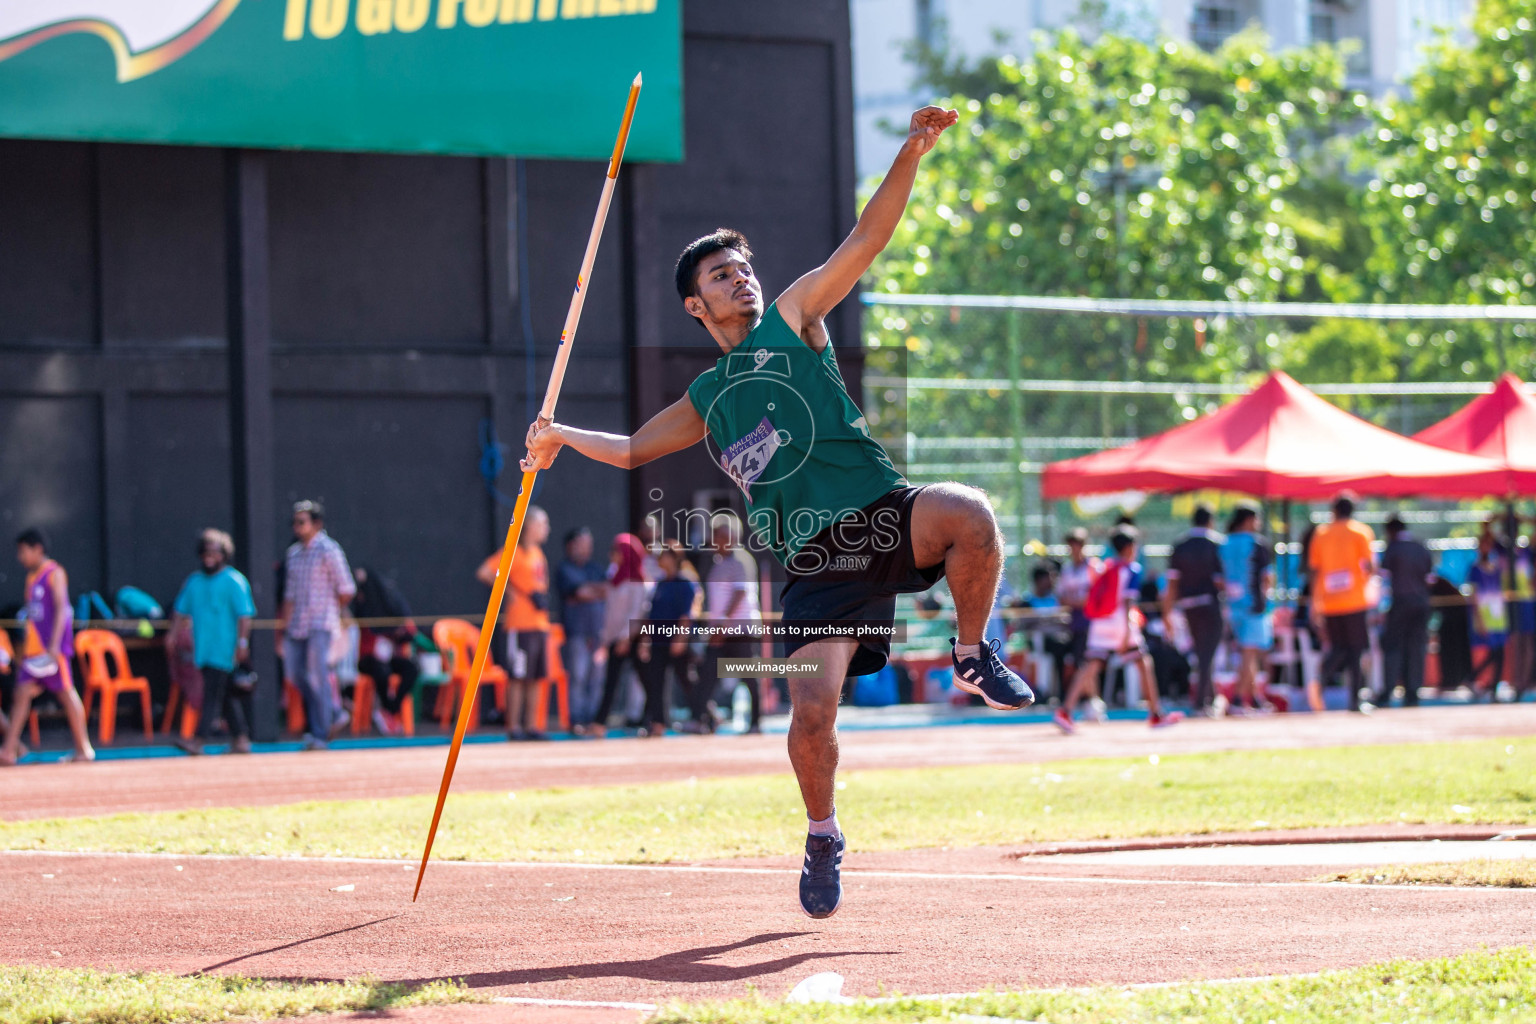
x=1511, y=529
x=1285, y=514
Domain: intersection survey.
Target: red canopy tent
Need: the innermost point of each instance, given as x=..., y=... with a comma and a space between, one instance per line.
x=1278, y=441
x=1501, y=426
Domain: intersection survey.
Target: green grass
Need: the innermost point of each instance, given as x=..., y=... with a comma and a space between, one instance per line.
x=1508, y=874
x=52, y=995
x=1481, y=781
x=1480, y=986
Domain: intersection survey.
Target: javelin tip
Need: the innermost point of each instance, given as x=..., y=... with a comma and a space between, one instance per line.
x=636, y=83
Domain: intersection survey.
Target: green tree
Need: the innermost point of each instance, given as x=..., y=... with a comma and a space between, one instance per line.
x=1451, y=204
x=1121, y=168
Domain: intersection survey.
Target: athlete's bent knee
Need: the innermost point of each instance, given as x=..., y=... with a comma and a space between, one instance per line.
x=813, y=713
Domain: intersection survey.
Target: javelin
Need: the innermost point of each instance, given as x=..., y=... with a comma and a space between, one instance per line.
x=520, y=510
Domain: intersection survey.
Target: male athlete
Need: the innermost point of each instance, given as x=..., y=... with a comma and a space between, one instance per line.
x=821, y=493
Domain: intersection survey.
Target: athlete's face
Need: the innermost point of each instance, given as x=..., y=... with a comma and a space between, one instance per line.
x=727, y=289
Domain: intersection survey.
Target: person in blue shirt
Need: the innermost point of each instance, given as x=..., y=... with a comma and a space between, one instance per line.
x=1247, y=574
x=672, y=603
x=582, y=586
x=215, y=603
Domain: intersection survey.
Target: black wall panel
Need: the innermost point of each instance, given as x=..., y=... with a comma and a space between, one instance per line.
x=179, y=484
x=761, y=160
x=162, y=244
x=397, y=302
x=50, y=476
x=558, y=193
x=372, y=250
x=47, y=243
x=399, y=480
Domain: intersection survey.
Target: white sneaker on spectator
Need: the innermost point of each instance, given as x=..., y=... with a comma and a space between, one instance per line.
x=1098, y=710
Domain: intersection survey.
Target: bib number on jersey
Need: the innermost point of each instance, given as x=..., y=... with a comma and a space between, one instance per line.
x=745, y=460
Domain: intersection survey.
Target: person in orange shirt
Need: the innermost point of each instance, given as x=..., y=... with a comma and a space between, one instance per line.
x=525, y=619
x=1343, y=567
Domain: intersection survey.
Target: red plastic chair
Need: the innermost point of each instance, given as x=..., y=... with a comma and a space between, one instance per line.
x=95, y=648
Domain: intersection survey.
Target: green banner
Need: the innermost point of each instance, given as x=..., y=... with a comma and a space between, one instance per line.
x=534, y=78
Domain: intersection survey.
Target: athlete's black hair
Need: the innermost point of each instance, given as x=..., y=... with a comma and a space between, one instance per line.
x=700, y=249
x=33, y=537
x=1123, y=538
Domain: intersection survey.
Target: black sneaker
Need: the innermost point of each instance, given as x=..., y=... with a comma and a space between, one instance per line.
x=991, y=680
x=821, y=884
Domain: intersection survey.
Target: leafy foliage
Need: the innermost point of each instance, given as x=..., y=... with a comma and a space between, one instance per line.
x=1124, y=168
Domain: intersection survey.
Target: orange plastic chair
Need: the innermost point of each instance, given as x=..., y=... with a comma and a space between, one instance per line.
x=95, y=647
x=10, y=653
x=189, y=715
x=557, y=678
x=457, y=639
x=362, y=705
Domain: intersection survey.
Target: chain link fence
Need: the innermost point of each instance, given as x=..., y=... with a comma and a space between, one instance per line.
x=986, y=390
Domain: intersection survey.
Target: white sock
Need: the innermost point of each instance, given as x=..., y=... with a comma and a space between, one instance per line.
x=963, y=651
x=826, y=827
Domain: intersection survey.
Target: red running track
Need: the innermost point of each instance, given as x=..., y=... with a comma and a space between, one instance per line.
x=917, y=922
x=60, y=790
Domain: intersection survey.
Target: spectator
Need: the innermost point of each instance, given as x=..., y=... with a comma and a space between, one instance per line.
x=1072, y=588
x=628, y=592
x=1454, y=632
x=580, y=584
x=651, y=540
x=1115, y=630
x=384, y=651
x=671, y=606
x=317, y=584
x=1247, y=572
x=1490, y=618
x=1343, y=572
x=1407, y=566
x=1056, y=642
x=730, y=592
x=215, y=604
x=48, y=646
x=1521, y=659
x=525, y=620
x=1194, y=580
x=7, y=679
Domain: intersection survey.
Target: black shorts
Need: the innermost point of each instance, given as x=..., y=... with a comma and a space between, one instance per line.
x=525, y=654
x=861, y=563
x=1349, y=631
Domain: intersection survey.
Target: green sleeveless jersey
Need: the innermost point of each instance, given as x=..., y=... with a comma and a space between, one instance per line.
x=783, y=428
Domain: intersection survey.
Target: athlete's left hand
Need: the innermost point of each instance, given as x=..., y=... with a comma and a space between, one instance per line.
x=926, y=127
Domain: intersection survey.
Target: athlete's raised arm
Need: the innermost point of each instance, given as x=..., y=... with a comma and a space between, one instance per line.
x=806, y=302
x=673, y=429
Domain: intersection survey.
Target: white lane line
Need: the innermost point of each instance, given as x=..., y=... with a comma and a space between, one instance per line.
x=592, y=1004
x=713, y=869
